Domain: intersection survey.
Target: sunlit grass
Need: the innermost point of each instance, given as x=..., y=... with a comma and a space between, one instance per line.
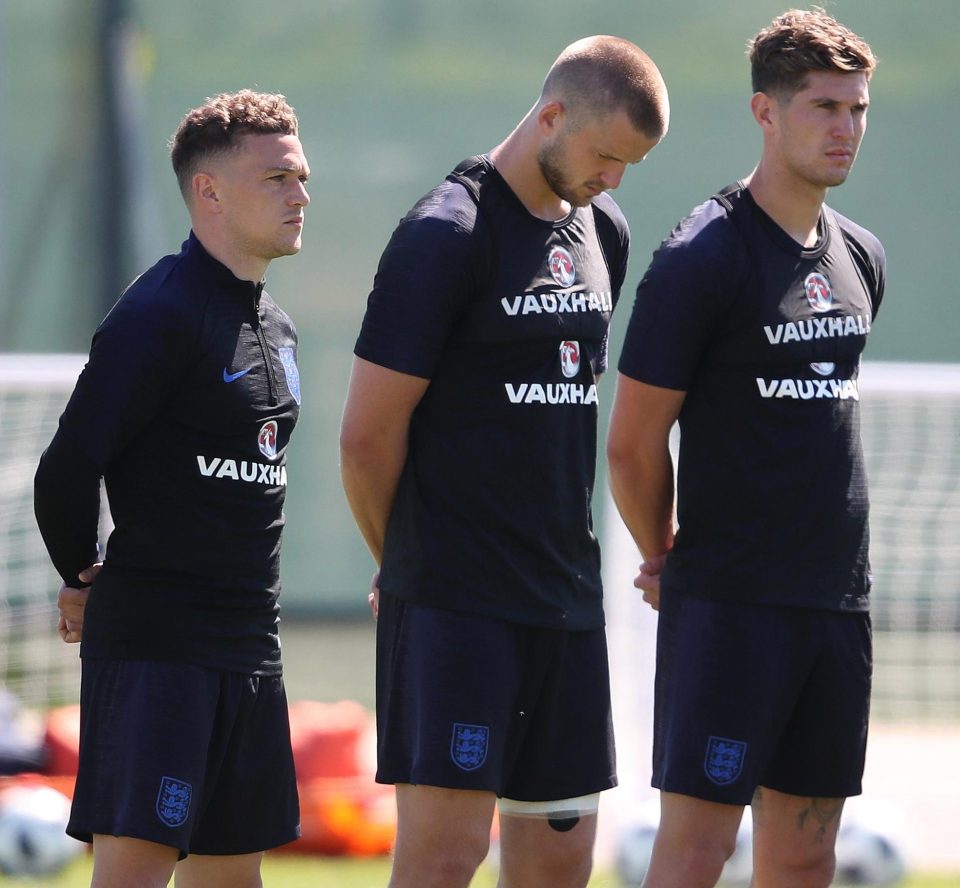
x=294, y=871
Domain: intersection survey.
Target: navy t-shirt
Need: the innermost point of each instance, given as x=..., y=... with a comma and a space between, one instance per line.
x=765, y=338
x=185, y=407
x=507, y=316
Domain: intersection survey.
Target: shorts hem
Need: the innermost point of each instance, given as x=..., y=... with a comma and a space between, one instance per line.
x=86, y=836
x=737, y=798
x=818, y=793
x=253, y=848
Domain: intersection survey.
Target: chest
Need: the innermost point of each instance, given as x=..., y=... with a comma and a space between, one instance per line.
x=538, y=283
x=799, y=309
x=244, y=375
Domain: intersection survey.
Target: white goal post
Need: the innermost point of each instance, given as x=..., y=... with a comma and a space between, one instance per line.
x=911, y=435
x=35, y=665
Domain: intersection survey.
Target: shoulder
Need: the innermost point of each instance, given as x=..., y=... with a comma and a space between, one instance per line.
x=449, y=205
x=606, y=208
x=706, y=238
x=867, y=254
x=861, y=241
x=163, y=288
x=167, y=301
x=443, y=226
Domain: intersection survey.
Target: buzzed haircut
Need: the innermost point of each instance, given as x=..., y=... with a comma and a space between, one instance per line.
x=800, y=42
x=220, y=123
x=600, y=76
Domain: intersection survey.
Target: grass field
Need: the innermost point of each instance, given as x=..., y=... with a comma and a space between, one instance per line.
x=289, y=871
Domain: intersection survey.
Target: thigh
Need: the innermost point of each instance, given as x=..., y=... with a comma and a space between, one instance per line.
x=250, y=801
x=442, y=834
x=220, y=871
x=728, y=676
x=446, y=689
x=822, y=749
x=119, y=861
x=794, y=834
x=533, y=854
x=145, y=733
x=563, y=747
x=694, y=839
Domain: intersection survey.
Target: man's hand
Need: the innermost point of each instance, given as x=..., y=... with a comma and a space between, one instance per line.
x=71, y=602
x=649, y=580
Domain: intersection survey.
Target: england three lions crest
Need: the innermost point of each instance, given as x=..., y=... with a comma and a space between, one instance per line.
x=173, y=801
x=468, y=748
x=290, y=371
x=724, y=760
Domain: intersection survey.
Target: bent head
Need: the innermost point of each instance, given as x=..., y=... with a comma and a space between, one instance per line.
x=603, y=106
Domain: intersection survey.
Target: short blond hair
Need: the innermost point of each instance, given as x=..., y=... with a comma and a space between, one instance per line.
x=219, y=124
x=602, y=75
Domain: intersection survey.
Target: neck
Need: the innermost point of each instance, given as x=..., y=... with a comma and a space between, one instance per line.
x=243, y=266
x=794, y=205
x=516, y=160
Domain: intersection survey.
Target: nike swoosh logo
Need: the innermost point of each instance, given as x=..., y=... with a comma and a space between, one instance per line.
x=230, y=377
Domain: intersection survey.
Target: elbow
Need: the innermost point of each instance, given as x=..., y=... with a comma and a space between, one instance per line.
x=44, y=488
x=356, y=446
x=621, y=457
x=363, y=453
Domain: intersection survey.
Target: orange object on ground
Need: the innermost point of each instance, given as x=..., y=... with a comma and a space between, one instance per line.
x=62, y=741
x=345, y=816
x=328, y=739
x=342, y=810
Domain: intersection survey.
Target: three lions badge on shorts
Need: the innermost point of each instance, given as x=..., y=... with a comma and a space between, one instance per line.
x=173, y=801
x=724, y=760
x=468, y=748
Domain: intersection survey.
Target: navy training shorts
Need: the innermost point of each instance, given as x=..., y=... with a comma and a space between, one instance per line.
x=184, y=756
x=752, y=695
x=470, y=702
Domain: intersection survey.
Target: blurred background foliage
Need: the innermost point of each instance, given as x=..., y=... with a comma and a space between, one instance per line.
x=391, y=95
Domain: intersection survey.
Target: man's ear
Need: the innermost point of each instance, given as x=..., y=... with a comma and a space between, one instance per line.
x=203, y=187
x=551, y=116
x=764, y=109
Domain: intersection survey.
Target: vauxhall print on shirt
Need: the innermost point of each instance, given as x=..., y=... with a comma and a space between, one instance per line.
x=510, y=327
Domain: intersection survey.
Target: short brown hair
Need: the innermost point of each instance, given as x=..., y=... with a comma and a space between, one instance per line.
x=799, y=42
x=219, y=124
x=602, y=75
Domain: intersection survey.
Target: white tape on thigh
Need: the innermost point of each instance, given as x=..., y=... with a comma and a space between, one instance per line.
x=577, y=807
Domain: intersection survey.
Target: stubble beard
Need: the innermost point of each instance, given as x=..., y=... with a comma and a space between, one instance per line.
x=550, y=162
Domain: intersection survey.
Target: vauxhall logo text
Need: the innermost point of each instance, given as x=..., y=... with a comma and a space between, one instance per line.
x=243, y=470
x=817, y=328
x=809, y=389
x=556, y=303
x=553, y=393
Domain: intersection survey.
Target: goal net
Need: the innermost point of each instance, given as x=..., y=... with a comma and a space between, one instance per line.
x=911, y=439
x=35, y=665
x=911, y=436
